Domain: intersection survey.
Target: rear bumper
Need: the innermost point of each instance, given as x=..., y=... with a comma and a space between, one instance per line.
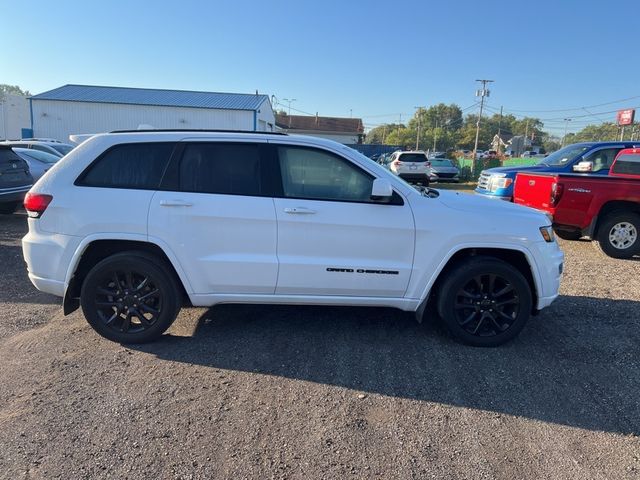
x=13, y=194
x=414, y=177
x=48, y=256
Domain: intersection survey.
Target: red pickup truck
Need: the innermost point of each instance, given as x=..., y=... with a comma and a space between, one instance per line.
x=605, y=208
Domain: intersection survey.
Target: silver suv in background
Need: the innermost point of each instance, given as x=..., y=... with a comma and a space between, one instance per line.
x=15, y=180
x=54, y=147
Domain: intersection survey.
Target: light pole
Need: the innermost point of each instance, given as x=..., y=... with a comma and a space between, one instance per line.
x=290, y=101
x=566, y=124
x=419, y=110
x=483, y=92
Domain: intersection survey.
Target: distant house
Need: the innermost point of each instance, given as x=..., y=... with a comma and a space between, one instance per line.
x=501, y=141
x=343, y=130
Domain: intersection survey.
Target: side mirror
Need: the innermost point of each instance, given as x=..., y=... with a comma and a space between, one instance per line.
x=583, y=167
x=381, y=189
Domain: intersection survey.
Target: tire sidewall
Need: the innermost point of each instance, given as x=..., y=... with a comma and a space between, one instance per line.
x=460, y=276
x=608, y=224
x=143, y=264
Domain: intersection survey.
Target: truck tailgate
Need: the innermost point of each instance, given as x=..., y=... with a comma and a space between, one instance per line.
x=534, y=190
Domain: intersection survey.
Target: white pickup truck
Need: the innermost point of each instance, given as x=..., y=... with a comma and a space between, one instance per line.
x=134, y=225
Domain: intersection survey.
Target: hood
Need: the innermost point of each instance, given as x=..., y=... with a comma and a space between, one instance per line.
x=490, y=208
x=522, y=168
x=445, y=169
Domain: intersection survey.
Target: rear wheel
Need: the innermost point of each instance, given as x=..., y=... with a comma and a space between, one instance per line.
x=130, y=297
x=618, y=235
x=484, y=302
x=8, y=208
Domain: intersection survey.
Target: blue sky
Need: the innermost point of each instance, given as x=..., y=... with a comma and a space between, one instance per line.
x=374, y=59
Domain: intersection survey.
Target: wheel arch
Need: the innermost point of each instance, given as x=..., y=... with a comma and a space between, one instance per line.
x=91, y=251
x=520, y=259
x=614, y=206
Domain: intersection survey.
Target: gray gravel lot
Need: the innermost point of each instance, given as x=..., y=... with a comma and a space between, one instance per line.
x=308, y=392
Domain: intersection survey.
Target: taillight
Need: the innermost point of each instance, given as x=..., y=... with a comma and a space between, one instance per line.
x=397, y=163
x=556, y=192
x=36, y=203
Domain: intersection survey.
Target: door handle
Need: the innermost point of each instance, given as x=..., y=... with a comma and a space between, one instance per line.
x=175, y=203
x=299, y=210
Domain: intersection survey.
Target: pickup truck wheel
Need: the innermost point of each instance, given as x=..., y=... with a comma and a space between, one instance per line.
x=618, y=235
x=130, y=297
x=485, y=302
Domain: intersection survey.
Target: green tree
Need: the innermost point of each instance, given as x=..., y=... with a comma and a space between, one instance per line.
x=379, y=134
x=13, y=89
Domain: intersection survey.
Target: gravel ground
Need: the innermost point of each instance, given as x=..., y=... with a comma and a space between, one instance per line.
x=308, y=392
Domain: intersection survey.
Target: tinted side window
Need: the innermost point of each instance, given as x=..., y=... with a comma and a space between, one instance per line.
x=226, y=168
x=628, y=165
x=319, y=175
x=135, y=165
x=602, y=159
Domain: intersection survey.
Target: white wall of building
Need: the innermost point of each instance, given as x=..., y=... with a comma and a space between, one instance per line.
x=266, y=118
x=14, y=116
x=59, y=119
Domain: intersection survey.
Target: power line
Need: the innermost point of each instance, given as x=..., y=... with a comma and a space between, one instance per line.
x=573, y=109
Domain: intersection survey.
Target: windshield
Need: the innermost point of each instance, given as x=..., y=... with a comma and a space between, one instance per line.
x=43, y=157
x=564, y=155
x=439, y=162
x=63, y=149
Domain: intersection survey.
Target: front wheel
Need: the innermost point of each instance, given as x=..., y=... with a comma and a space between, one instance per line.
x=130, y=297
x=618, y=235
x=484, y=301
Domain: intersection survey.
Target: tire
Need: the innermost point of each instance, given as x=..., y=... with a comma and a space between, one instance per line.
x=115, y=310
x=619, y=234
x=569, y=234
x=484, y=301
x=8, y=208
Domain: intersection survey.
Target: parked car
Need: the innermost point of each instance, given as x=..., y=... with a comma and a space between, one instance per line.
x=605, y=208
x=305, y=221
x=596, y=158
x=39, y=162
x=443, y=170
x=53, y=147
x=15, y=180
x=491, y=154
x=412, y=166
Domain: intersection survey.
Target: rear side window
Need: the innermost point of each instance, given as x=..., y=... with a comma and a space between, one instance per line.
x=627, y=164
x=223, y=168
x=135, y=165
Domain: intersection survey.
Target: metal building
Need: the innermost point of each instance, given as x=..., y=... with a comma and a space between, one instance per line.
x=86, y=109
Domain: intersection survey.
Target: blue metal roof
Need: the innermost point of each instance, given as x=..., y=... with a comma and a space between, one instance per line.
x=148, y=96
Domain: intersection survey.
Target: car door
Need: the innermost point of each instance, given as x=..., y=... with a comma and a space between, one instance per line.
x=217, y=217
x=332, y=238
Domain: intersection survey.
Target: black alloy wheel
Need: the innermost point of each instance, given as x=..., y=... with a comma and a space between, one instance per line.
x=484, y=301
x=487, y=305
x=130, y=297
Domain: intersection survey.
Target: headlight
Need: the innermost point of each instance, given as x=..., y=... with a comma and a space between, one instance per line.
x=547, y=234
x=499, y=182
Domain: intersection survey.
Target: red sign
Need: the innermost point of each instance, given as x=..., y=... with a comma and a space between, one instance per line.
x=625, y=117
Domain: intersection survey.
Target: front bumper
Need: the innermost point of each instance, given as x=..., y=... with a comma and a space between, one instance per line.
x=487, y=194
x=550, y=266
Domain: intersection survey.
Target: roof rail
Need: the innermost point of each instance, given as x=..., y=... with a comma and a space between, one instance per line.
x=151, y=130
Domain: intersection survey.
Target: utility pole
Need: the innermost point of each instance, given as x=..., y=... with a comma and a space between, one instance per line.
x=566, y=123
x=435, y=135
x=526, y=134
x=499, y=131
x=290, y=101
x=483, y=92
x=419, y=110
x=399, y=124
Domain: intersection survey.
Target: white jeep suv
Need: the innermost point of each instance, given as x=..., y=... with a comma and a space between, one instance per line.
x=133, y=225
